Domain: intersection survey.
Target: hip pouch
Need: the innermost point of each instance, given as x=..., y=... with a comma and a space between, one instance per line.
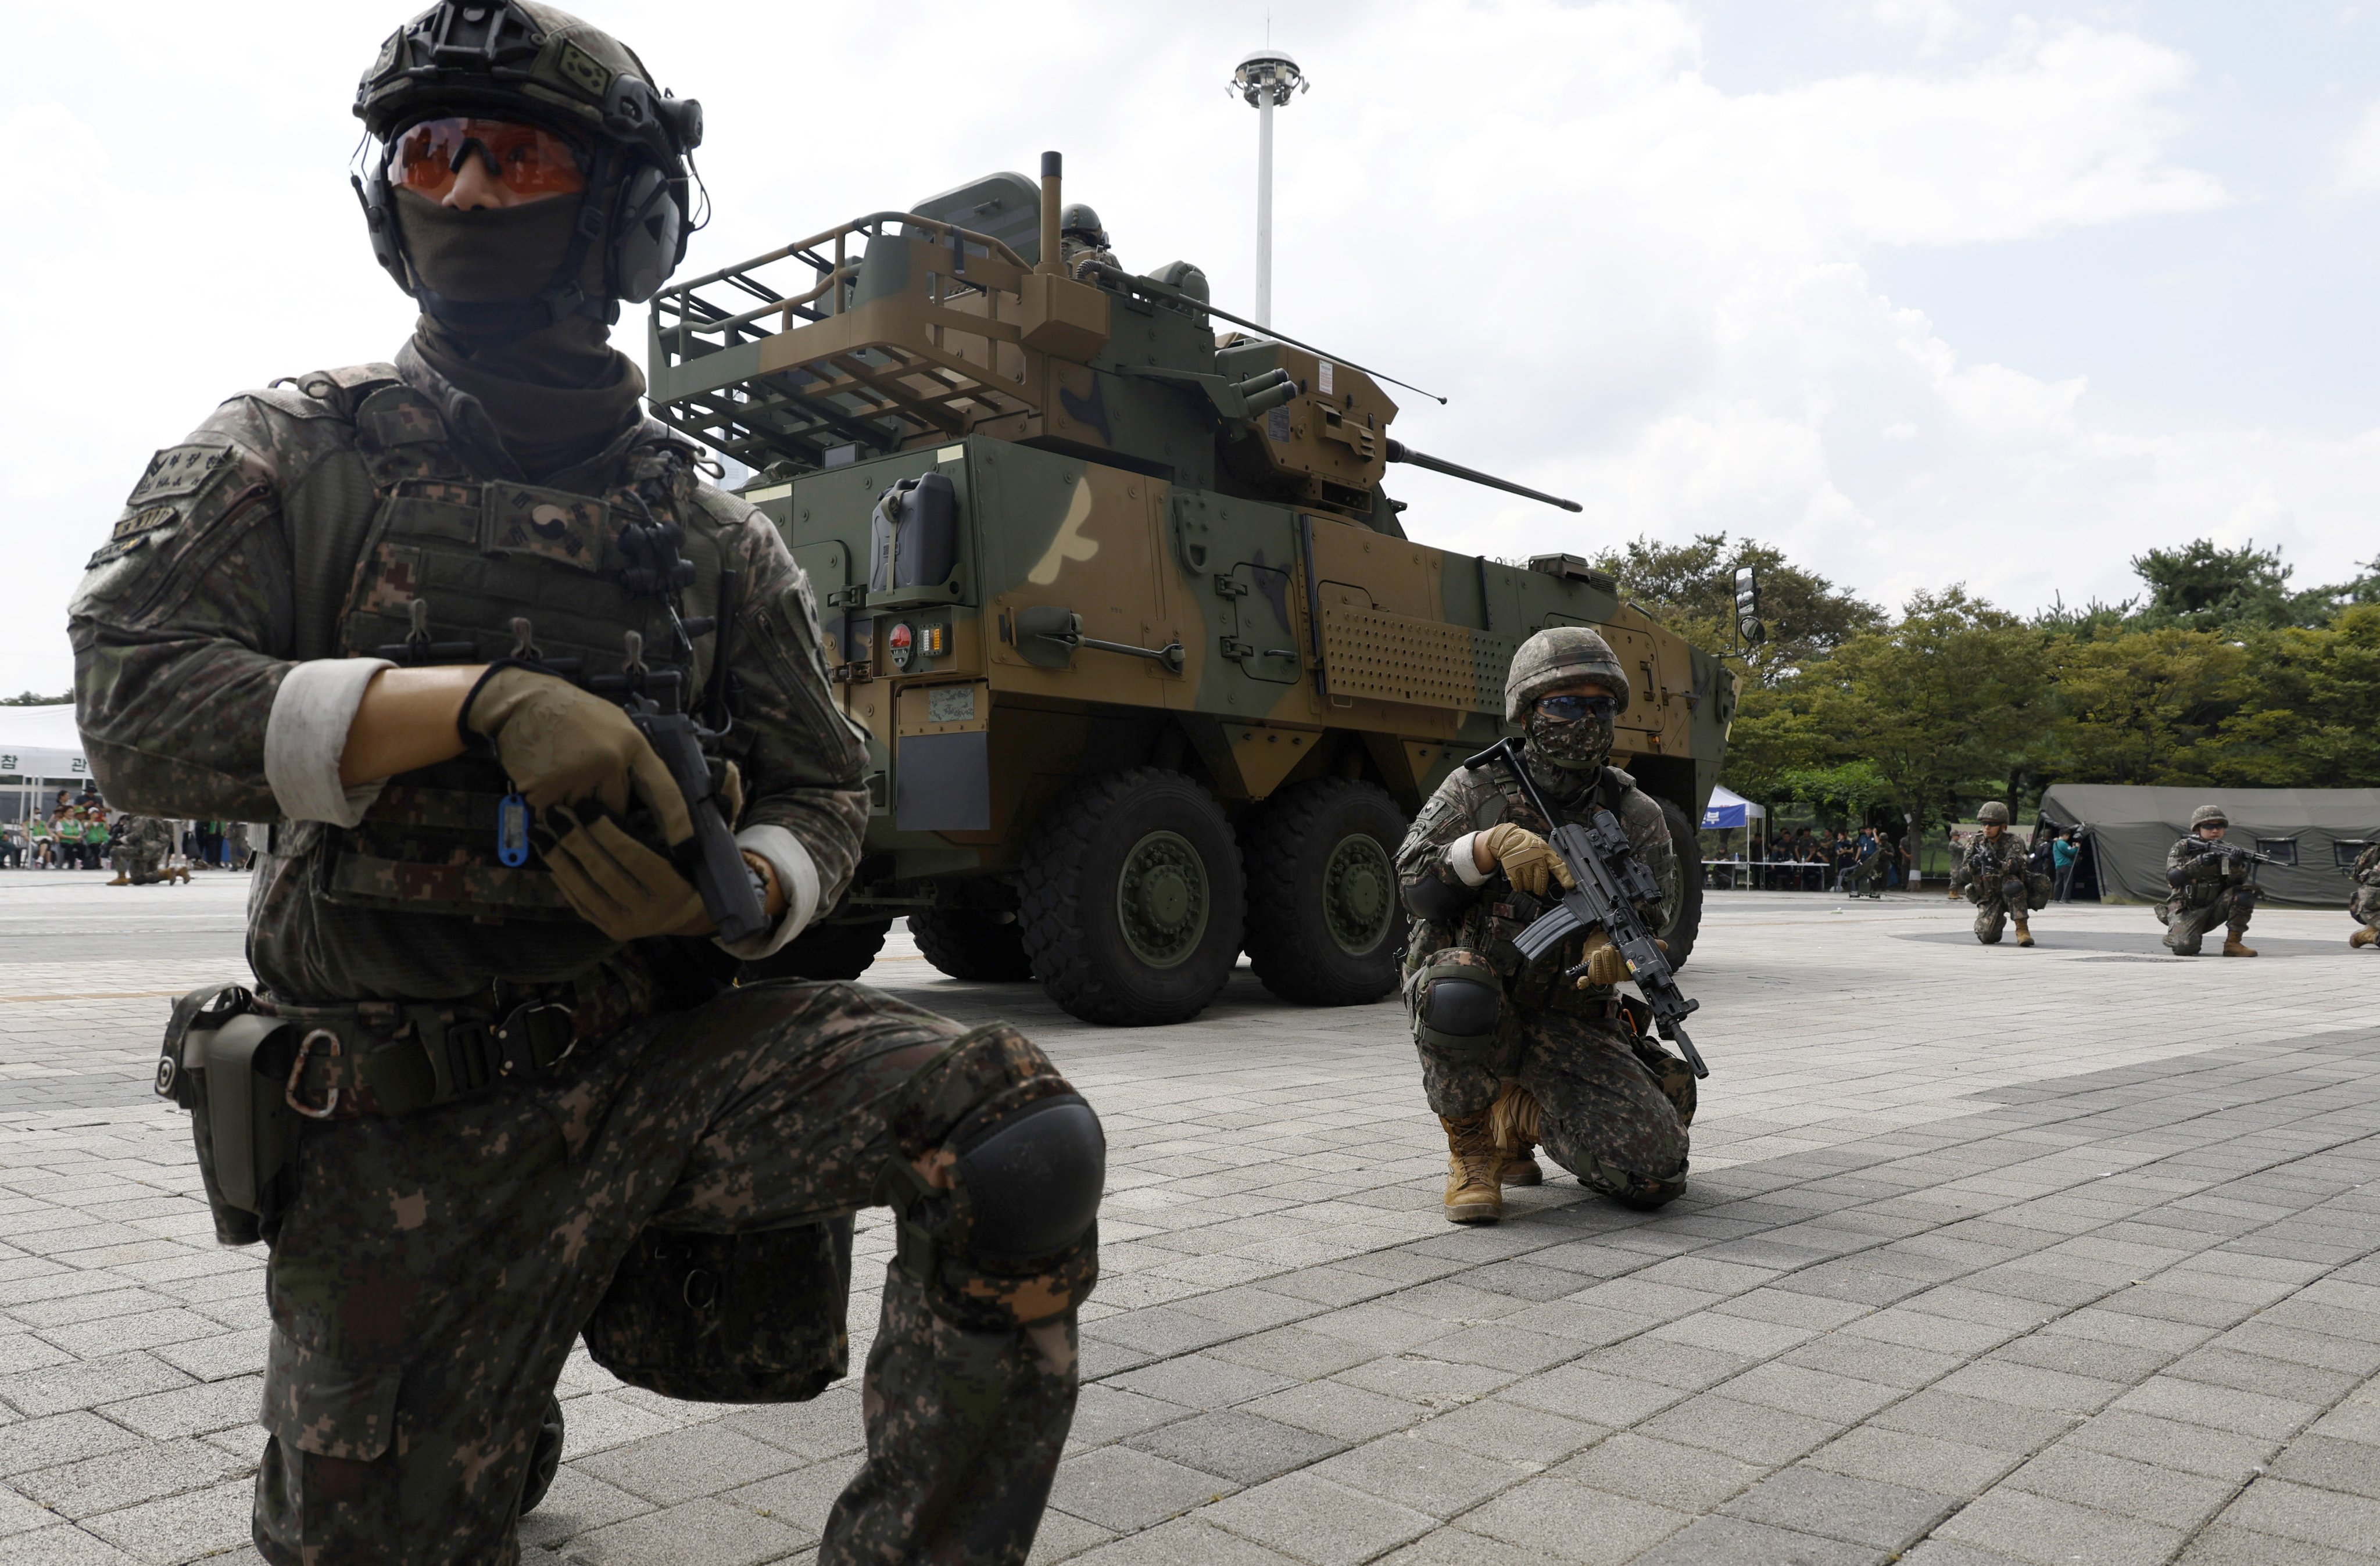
x=1458, y=1000
x=228, y=1065
x=755, y=1317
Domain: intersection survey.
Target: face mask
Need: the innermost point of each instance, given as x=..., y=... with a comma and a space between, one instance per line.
x=488, y=254
x=1574, y=744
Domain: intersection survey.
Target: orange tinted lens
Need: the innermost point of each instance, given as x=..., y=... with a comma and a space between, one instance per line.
x=527, y=160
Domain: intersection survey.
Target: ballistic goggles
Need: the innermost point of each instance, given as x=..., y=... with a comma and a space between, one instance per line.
x=526, y=160
x=1572, y=709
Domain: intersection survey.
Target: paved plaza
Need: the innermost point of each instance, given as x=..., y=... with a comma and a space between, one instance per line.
x=1991, y=1255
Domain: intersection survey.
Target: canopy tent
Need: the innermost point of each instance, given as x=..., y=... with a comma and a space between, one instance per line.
x=2128, y=830
x=42, y=742
x=1729, y=810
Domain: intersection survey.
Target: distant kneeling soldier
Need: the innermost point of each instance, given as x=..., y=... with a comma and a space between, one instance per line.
x=1513, y=1052
x=1996, y=878
x=143, y=843
x=2209, y=888
x=2363, y=907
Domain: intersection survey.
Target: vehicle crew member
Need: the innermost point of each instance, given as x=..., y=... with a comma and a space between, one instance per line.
x=2364, y=902
x=1995, y=876
x=514, y=1067
x=1516, y=1053
x=2208, y=889
x=1082, y=241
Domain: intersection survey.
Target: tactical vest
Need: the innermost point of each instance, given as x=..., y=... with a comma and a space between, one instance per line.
x=479, y=555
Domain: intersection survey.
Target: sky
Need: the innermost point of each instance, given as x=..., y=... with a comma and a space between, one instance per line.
x=1919, y=291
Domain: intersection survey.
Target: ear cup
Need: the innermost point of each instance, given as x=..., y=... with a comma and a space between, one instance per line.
x=647, y=237
x=380, y=221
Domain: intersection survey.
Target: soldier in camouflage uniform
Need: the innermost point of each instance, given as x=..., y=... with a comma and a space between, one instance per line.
x=2208, y=890
x=1995, y=877
x=1082, y=241
x=511, y=1070
x=2364, y=902
x=1513, y=1054
x=143, y=843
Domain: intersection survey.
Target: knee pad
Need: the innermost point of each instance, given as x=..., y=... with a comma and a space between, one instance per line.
x=1458, y=1000
x=996, y=1189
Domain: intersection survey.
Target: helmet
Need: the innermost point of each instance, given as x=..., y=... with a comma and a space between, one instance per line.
x=2208, y=815
x=1079, y=221
x=518, y=60
x=1994, y=814
x=1560, y=655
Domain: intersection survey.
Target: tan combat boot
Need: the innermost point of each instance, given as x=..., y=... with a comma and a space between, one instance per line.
x=2362, y=938
x=121, y=880
x=2234, y=947
x=1471, y=1193
x=1513, y=1119
x=2023, y=934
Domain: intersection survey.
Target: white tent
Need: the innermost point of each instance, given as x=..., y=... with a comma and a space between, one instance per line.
x=1728, y=809
x=42, y=742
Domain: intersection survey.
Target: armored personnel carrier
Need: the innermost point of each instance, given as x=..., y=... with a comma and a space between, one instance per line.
x=1150, y=671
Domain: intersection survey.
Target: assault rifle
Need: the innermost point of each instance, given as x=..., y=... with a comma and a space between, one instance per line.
x=2202, y=847
x=1610, y=882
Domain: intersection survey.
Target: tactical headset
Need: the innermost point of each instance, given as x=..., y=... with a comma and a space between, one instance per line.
x=519, y=61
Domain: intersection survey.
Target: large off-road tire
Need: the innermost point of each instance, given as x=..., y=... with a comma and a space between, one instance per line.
x=1132, y=898
x=972, y=944
x=1323, y=914
x=545, y=1457
x=1688, y=922
x=823, y=952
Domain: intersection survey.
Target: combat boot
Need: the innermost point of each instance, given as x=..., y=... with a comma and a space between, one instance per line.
x=122, y=879
x=1471, y=1193
x=2023, y=934
x=2234, y=947
x=2362, y=938
x=1513, y=1119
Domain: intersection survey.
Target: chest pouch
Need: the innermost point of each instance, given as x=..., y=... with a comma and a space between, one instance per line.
x=756, y=1317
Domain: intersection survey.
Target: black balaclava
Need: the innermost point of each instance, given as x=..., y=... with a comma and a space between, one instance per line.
x=1566, y=755
x=557, y=396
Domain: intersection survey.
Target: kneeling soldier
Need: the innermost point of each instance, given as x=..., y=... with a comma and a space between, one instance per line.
x=2209, y=889
x=1996, y=878
x=2363, y=903
x=497, y=1086
x=1514, y=1054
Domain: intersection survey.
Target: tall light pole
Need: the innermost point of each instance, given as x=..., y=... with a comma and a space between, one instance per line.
x=1265, y=79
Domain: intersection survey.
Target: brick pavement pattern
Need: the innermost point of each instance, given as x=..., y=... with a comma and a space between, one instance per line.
x=2084, y=1276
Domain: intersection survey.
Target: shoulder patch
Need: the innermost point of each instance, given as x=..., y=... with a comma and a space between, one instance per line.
x=179, y=472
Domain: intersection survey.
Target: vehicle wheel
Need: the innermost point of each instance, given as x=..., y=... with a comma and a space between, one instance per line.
x=545, y=1458
x=823, y=952
x=1323, y=914
x=1133, y=898
x=1688, y=923
x=972, y=944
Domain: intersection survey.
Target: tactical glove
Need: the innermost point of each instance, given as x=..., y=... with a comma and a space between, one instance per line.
x=620, y=886
x=561, y=746
x=1606, y=964
x=1526, y=859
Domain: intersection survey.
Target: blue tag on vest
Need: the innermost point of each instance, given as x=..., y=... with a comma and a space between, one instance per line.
x=512, y=830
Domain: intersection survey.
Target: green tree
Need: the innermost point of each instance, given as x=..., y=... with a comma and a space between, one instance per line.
x=2307, y=709
x=2140, y=705
x=1691, y=588
x=2203, y=588
x=33, y=699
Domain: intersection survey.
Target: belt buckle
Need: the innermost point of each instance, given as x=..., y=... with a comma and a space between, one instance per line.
x=297, y=1068
x=513, y=1041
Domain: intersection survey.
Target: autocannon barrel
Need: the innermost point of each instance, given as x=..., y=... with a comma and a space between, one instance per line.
x=1400, y=451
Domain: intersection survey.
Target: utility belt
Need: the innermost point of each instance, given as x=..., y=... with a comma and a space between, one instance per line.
x=249, y=1068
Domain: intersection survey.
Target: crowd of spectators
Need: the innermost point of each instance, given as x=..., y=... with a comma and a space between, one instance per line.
x=77, y=833
x=1857, y=863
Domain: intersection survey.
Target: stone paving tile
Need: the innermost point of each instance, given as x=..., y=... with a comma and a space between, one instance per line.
x=2087, y=1304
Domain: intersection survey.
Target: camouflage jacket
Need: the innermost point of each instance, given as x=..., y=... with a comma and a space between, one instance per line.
x=2207, y=874
x=1486, y=918
x=148, y=837
x=2367, y=867
x=1990, y=859
x=246, y=555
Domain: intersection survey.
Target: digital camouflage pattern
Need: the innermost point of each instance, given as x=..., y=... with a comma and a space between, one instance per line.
x=421, y=1314
x=1611, y=1111
x=1996, y=877
x=265, y=540
x=142, y=847
x=2215, y=890
x=2364, y=902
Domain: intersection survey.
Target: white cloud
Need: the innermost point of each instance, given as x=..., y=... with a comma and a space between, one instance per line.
x=2358, y=155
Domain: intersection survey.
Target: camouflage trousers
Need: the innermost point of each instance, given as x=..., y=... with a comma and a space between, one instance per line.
x=1997, y=902
x=2188, y=924
x=1604, y=1113
x=431, y=1272
x=143, y=870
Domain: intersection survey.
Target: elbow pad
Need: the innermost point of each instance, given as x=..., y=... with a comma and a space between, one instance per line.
x=1434, y=898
